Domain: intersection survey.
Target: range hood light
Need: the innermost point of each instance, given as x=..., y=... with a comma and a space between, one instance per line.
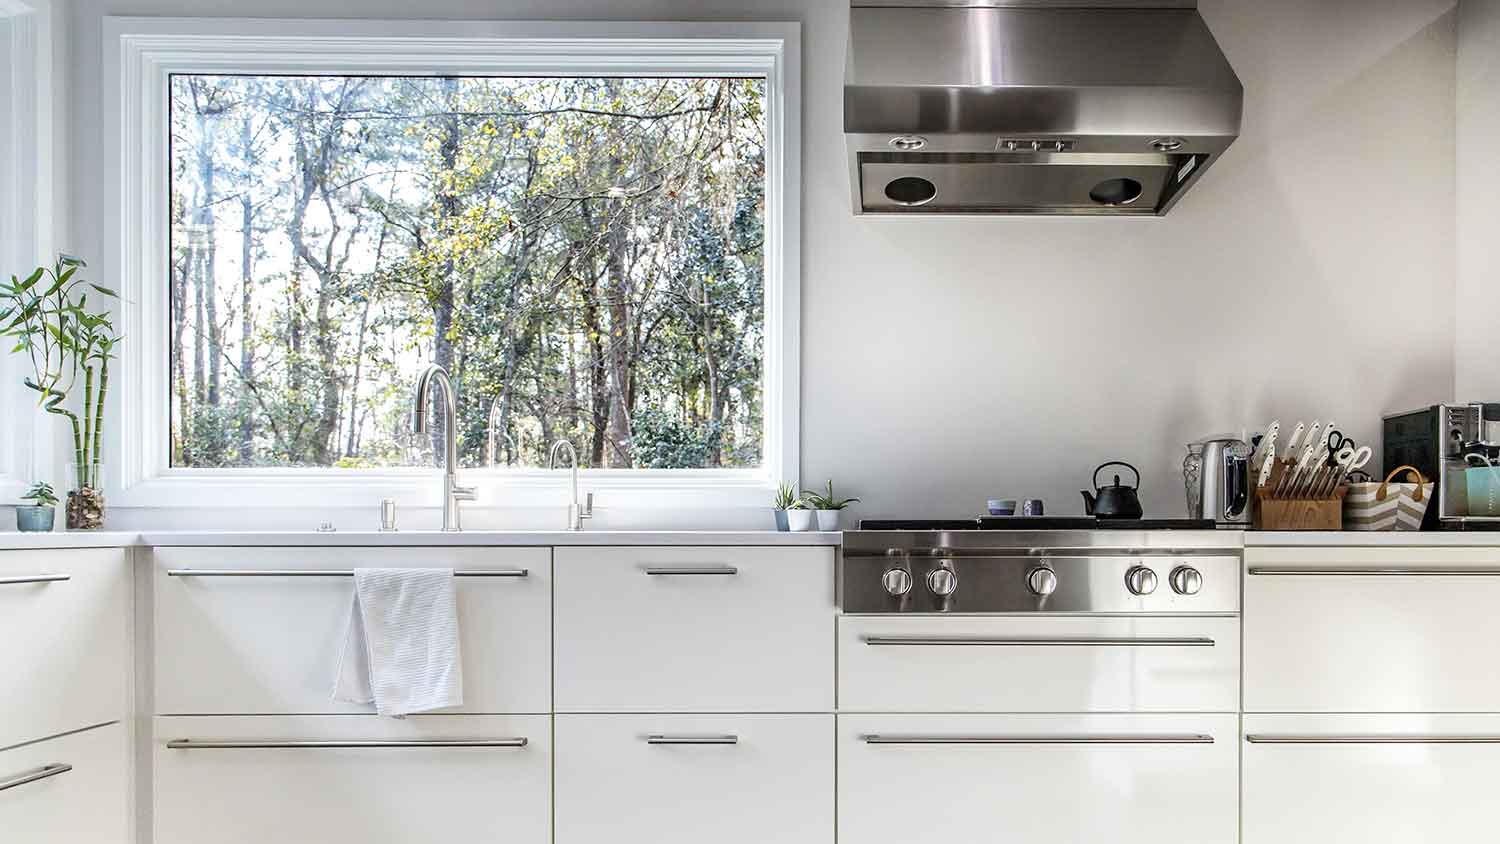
x=909, y=143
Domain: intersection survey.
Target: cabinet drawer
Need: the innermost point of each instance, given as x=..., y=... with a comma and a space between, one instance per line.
x=1132, y=779
x=67, y=653
x=1038, y=664
x=74, y=788
x=685, y=779
x=694, y=629
x=1372, y=630
x=1370, y=778
x=359, y=778
x=270, y=644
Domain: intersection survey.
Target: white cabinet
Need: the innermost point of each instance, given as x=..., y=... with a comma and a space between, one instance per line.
x=687, y=779
x=353, y=778
x=270, y=644
x=1372, y=630
x=678, y=629
x=1070, y=779
x=74, y=789
x=1315, y=779
x=66, y=656
x=1038, y=664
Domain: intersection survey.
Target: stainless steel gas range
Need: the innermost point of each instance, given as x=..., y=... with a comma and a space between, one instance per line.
x=1062, y=681
x=1017, y=566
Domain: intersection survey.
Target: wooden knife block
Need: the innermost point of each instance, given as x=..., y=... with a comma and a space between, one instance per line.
x=1299, y=513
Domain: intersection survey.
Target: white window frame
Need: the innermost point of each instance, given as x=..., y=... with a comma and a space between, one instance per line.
x=26, y=218
x=140, y=54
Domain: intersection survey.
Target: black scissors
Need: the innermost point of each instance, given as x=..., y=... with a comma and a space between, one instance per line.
x=1337, y=442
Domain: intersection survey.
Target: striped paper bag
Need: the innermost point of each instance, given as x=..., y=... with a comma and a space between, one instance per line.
x=1387, y=505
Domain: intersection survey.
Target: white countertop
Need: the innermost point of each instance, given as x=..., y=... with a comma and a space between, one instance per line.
x=480, y=538
x=423, y=538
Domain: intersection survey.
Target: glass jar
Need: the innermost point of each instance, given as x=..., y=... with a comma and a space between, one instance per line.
x=85, y=507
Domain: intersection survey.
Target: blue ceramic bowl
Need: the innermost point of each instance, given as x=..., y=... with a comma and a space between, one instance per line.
x=1001, y=506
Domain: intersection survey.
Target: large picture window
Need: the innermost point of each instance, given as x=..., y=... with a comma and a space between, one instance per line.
x=584, y=255
x=593, y=229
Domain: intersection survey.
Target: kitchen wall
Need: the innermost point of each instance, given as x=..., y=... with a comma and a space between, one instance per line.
x=1477, y=291
x=950, y=360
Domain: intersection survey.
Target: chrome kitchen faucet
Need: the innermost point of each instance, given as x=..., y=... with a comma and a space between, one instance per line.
x=576, y=514
x=452, y=492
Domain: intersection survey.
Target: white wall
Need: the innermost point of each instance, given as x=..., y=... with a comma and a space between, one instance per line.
x=1477, y=361
x=950, y=360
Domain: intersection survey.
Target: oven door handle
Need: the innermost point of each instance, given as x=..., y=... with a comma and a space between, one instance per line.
x=1111, y=739
x=1042, y=641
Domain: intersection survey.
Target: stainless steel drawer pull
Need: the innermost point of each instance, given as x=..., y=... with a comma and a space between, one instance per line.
x=1367, y=571
x=41, y=773
x=1185, y=738
x=692, y=739
x=668, y=571
x=34, y=578
x=200, y=744
x=325, y=573
x=1090, y=641
x=1271, y=738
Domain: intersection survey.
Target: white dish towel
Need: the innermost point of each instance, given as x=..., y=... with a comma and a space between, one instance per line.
x=401, y=651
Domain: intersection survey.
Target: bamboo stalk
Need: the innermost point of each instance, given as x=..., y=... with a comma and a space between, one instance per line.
x=99, y=406
x=88, y=416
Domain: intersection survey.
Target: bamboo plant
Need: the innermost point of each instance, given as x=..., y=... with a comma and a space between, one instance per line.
x=48, y=314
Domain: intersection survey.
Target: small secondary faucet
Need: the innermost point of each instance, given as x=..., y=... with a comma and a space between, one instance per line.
x=452, y=492
x=576, y=514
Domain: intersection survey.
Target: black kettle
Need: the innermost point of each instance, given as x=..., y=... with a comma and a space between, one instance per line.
x=1115, y=501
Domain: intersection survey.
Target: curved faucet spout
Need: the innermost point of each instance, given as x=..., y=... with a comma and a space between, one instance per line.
x=436, y=377
x=576, y=512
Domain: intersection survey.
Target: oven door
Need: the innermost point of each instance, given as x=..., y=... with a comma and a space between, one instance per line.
x=1127, y=779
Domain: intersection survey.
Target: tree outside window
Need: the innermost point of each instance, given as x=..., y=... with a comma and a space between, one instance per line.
x=584, y=256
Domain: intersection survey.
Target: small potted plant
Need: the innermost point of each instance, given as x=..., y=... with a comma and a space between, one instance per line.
x=798, y=517
x=827, y=506
x=38, y=516
x=786, y=499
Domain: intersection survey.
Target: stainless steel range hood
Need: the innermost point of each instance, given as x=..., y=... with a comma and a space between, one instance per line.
x=1033, y=106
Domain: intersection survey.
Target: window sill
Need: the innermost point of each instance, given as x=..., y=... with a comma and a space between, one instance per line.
x=314, y=488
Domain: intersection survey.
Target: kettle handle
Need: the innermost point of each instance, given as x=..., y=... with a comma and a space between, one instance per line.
x=1132, y=469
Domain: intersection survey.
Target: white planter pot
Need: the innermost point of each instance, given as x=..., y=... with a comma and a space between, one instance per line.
x=799, y=519
x=828, y=519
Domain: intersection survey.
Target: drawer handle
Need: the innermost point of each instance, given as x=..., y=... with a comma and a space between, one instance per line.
x=697, y=740
x=324, y=573
x=34, y=578
x=1186, y=738
x=669, y=571
x=41, y=773
x=1393, y=571
x=1270, y=738
x=1094, y=641
x=199, y=744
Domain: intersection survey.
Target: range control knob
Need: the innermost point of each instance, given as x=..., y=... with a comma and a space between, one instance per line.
x=1186, y=580
x=1041, y=581
x=942, y=581
x=897, y=582
x=1140, y=580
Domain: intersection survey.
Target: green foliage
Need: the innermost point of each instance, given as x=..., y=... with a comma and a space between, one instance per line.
x=826, y=500
x=41, y=495
x=584, y=255
x=786, y=498
x=48, y=315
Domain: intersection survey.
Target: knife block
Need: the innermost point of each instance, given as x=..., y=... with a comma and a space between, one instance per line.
x=1299, y=513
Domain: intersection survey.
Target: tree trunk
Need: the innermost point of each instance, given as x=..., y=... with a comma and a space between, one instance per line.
x=246, y=408
x=442, y=292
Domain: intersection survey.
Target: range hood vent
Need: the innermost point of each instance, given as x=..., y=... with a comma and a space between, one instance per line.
x=1083, y=107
